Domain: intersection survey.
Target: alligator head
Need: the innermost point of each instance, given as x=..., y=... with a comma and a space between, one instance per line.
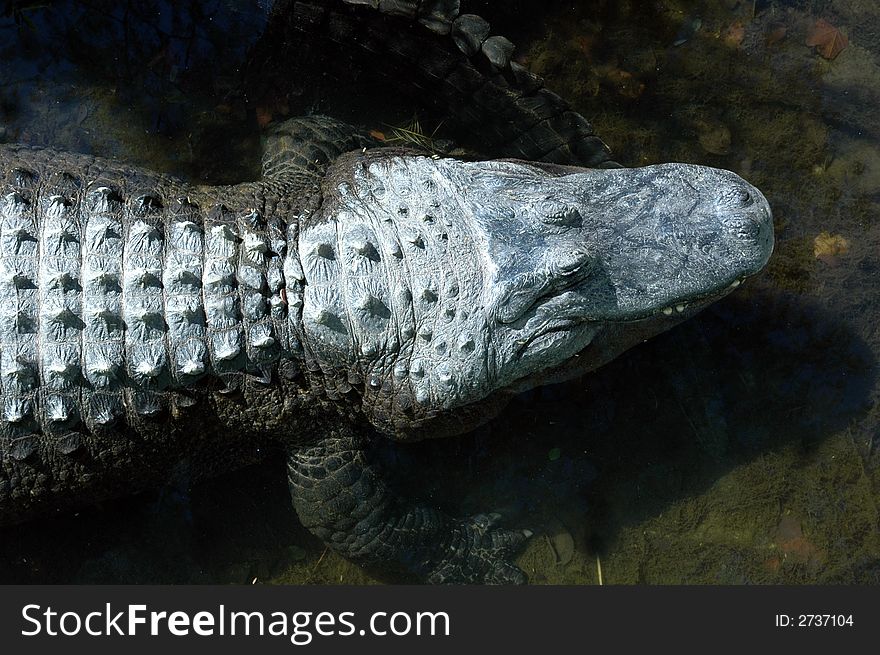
x=442, y=282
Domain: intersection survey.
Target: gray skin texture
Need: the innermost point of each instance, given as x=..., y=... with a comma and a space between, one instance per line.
x=442, y=281
x=147, y=322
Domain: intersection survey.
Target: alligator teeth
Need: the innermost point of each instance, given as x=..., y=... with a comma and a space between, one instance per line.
x=667, y=311
x=735, y=284
x=680, y=308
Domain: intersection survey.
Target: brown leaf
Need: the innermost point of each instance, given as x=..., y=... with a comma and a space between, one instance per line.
x=264, y=116
x=625, y=83
x=829, y=247
x=734, y=35
x=827, y=39
x=376, y=134
x=776, y=34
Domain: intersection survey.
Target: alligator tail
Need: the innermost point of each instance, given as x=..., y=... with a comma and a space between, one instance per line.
x=449, y=62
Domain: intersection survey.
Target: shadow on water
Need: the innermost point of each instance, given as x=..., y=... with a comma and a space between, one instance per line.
x=718, y=424
x=738, y=448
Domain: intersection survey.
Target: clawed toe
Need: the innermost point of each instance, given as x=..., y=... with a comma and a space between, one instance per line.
x=485, y=554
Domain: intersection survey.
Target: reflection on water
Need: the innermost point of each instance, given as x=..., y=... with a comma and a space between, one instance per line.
x=738, y=448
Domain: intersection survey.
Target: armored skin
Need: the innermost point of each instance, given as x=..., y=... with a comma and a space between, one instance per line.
x=352, y=294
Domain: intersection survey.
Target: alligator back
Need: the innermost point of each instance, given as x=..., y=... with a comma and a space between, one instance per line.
x=126, y=298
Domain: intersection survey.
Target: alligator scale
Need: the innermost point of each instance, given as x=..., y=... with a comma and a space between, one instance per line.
x=353, y=293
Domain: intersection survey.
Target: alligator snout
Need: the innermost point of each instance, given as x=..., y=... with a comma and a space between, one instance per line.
x=756, y=221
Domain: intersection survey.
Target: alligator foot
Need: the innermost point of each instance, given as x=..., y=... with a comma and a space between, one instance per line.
x=341, y=497
x=481, y=553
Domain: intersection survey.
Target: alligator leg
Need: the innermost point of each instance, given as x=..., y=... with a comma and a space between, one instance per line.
x=341, y=496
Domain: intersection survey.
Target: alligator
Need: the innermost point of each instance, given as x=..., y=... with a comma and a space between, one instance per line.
x=353, y=294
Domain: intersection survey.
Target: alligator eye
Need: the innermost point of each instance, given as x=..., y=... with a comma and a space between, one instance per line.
x=554, y=213
x=576, y=262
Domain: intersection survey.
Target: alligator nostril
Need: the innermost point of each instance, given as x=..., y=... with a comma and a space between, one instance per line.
x=749, y=229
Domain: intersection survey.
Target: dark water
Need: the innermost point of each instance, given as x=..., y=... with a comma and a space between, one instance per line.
x=741, y=447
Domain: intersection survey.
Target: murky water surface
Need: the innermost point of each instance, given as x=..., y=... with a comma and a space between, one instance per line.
x=741, y=447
